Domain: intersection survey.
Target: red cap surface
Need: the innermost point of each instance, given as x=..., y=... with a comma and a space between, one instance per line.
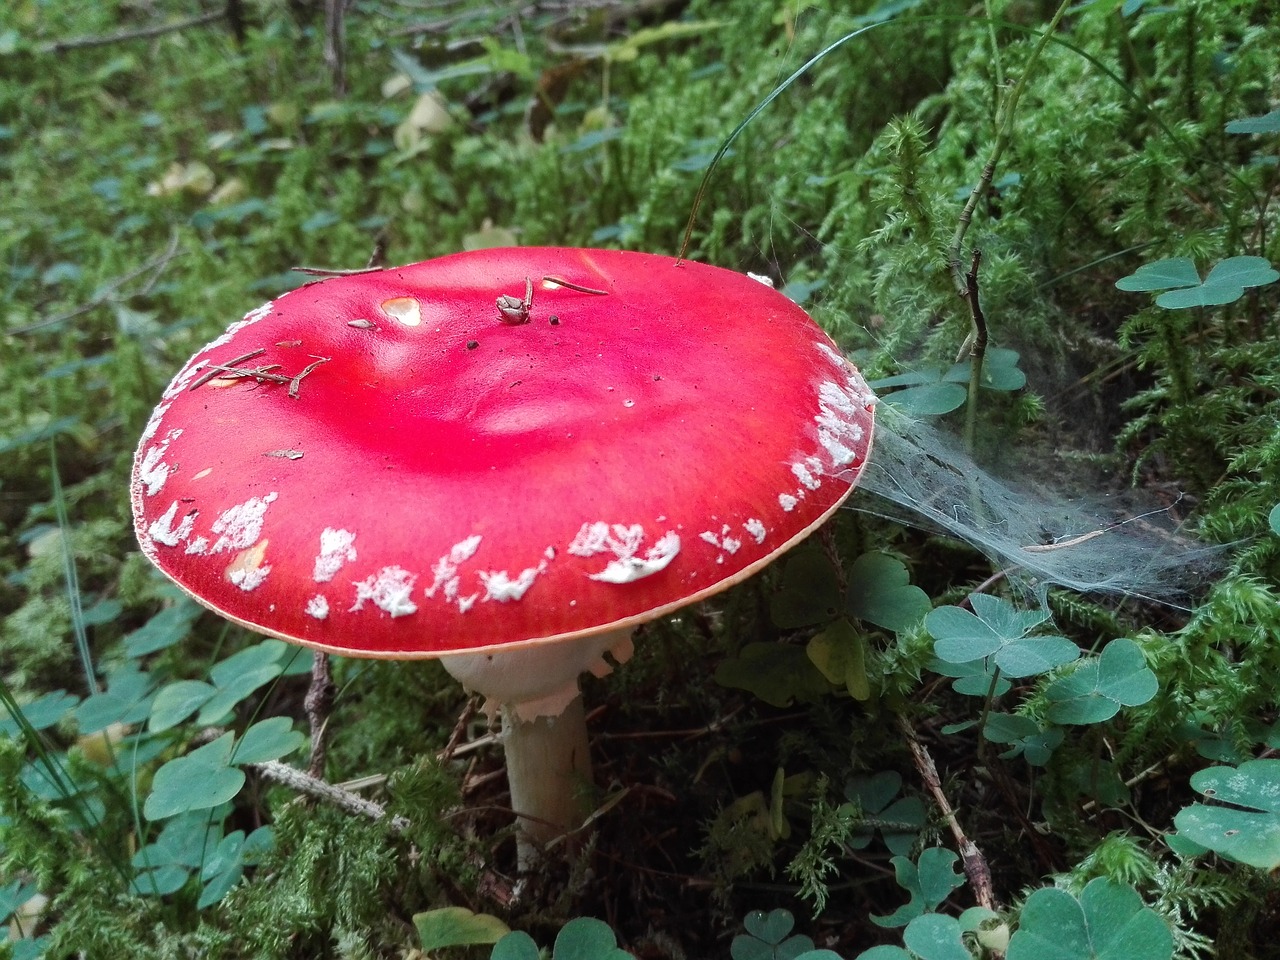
x=386, y=465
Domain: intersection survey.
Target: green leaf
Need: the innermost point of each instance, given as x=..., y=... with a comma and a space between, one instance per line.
x=1108, y=922
x=177, y=701
x=166, y=628
x=41, y=713
x=929, y=882
x=223, y=870
x=1240, y=272
x=873, y=798
x=997, y=629
x=1031, y=740
x=457, y=927
x=516, y=945
x=885, y=952
x=1000, y=371
x=973, y=679
x=767, y=937
x=840, y=653
x=809, y=592
x=1250, y=835
x=126, y=700
x=777, y=673
x=1099, y=686
x=198, y=781
x=930, y=400
x=586, y=938
x=935, y=936
x=1265, y=123
x=880, y=592
x=1161, y=275
x=1273, y=519
x=269, y=739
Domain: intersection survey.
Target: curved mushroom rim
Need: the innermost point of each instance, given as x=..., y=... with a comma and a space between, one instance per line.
x=636, y=620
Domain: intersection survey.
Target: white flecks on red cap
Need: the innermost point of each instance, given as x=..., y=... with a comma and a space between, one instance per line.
x=336, y=548
x=390, y=589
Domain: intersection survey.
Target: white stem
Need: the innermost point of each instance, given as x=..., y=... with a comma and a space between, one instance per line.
x=549, y=773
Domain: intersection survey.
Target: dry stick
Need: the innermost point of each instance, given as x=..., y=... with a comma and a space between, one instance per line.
x=318, y=704
x=144, y=33
x=335, y=33
x=287, y=776
x=975, y=865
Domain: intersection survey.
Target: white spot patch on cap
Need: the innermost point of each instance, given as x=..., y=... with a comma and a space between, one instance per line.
x=832, y=353
x=804, y=473
x=247, y=570
x=838, y=429
x=389, y=589
x=318, y=606
x=630, y=568
x=787, y=502
x=599, y=537
x=499, y=586
x=445, y=571
x=756, y=529
x=203, y=473
x=241, y=525
x=761, y=278
x=335, y=550
x=403, y=310
x=198, y=546
x=163, y=530
x=153, y=423
x=725, y=542
x=153, y=472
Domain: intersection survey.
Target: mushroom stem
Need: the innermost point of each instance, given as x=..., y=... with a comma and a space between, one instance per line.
x=544, y=727
x=549, y=772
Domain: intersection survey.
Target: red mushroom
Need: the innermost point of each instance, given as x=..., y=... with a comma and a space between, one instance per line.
x=506, y=459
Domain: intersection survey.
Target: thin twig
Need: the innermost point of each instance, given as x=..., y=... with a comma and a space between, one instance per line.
x=106, y=293
x=287, y=776
x=576, y=286
x=143, y=33
x=326, y=272
x=975, y=865
x=296, y=383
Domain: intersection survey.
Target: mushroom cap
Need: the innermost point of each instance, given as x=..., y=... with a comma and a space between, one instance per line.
x=383, y=467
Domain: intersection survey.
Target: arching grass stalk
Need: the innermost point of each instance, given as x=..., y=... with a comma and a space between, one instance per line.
x=966, y=283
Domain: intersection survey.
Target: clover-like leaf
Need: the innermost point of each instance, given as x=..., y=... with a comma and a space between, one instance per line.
x=41, y=713
x=166, y=628
x=1028, y=738
x=1108, y=922
x=1161, y=275
x=777, y=673
x=962, y=637
x=200, y=780
x=929, y=881
x=1273, y=519
x=586, y=938
x=176, y=701
x=872, y=798
x=1099, y=686
x=880, y=592
x=768, y=937
x=973, y=679
x=457, y=927
x=268, y=739
x=840, y=653
x=1250, y=835
x=516, y=945
x=809, y=592
x=935, y=936
x=925, y=393
x=1000, y=371
x=1265, y=123
x=1225, y=283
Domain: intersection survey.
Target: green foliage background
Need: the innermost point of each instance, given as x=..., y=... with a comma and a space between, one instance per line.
x=154, y=188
